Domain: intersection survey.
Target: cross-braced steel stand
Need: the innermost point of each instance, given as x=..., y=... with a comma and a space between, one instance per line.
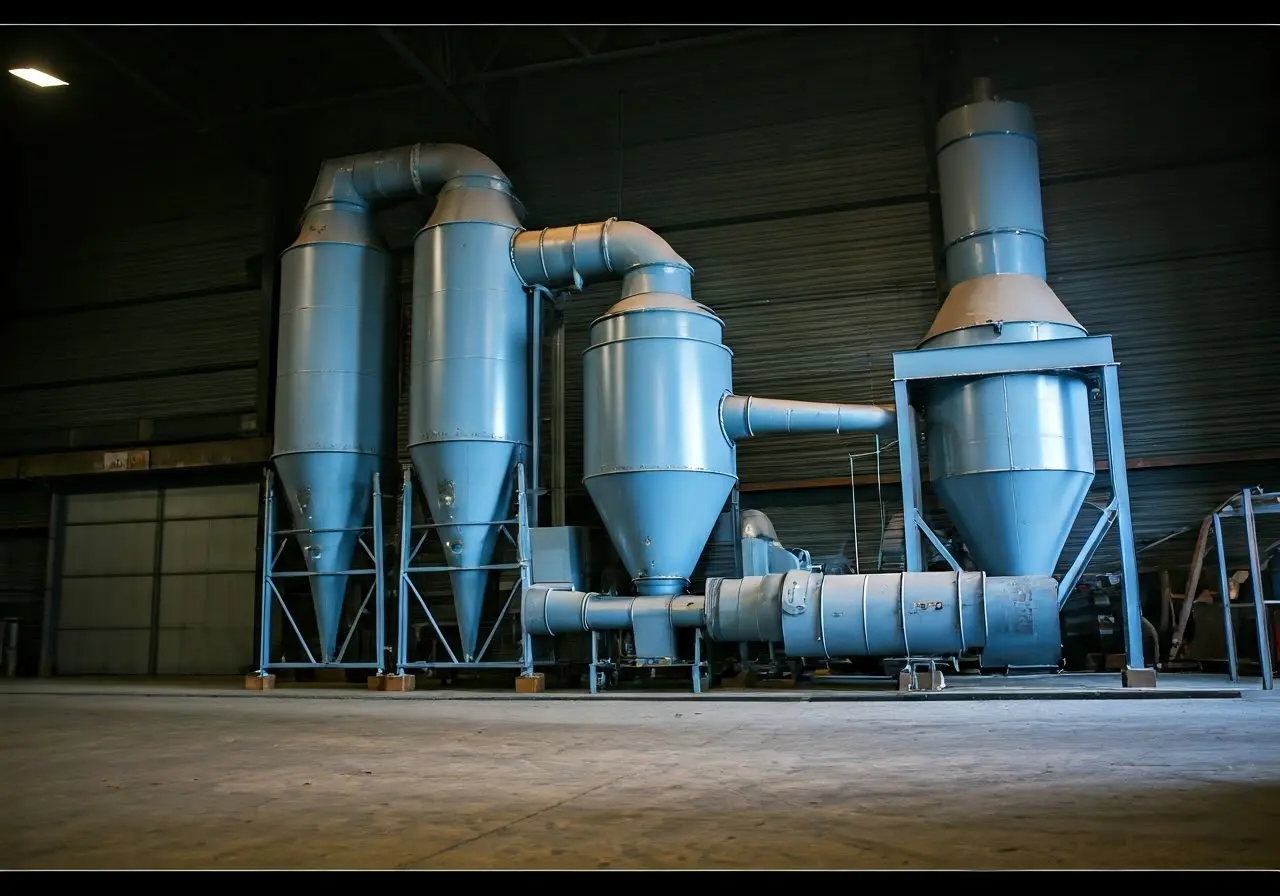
x=1250, y=504
x=1086, y=355
x=411, y=548
x=273, y=545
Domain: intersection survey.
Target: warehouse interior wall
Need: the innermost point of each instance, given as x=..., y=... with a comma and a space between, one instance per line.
x=794, y=171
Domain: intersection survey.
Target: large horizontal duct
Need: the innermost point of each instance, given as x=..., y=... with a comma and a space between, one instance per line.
x=401, y=172
x=746, y=415
x=1008, y=621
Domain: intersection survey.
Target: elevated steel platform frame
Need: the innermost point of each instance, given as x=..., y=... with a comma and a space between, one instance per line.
x=1088, y=356
x=273, y=545
x=411, y=545
x=1251, y=503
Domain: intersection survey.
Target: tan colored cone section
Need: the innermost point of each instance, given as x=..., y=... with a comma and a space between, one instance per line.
x=1000, y=297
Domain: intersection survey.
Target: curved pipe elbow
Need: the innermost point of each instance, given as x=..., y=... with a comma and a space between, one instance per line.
x=581, y=254
x=744, y=416
x=401, y=172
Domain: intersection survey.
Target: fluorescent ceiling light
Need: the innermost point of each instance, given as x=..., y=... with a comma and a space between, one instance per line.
x=37, y=77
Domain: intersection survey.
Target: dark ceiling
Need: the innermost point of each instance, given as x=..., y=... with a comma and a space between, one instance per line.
x=131, y=79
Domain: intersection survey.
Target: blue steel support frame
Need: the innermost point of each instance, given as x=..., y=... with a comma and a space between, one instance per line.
x=410, y=549
x=273, y=544
x=1083, y=355
x=1249, y=508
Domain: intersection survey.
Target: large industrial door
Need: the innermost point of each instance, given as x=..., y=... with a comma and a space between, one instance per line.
x=157, y=582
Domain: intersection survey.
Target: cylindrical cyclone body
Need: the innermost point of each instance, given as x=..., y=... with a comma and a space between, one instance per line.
x=989, y=176
x=1011, y=457
x=657, y=462
x=331, y=365
x=332, y=391
x=470, y=348
x=469, y=380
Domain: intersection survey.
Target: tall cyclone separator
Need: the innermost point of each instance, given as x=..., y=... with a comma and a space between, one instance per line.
x=469, y=390
x=333, y=397
x=661, y=423
x=1003, y=378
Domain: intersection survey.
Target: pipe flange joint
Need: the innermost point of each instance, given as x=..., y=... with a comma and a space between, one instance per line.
x=604, y=244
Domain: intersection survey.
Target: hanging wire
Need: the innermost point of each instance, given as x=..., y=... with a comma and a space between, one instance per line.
x=853, y=493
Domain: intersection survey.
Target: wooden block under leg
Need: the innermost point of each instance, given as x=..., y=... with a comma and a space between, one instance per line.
x=398, y=683
x=259, y=682
x=531, y=684
x=1138, y=678
x=377, y=682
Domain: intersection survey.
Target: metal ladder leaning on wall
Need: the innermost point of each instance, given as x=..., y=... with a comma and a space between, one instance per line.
x=1246, y=506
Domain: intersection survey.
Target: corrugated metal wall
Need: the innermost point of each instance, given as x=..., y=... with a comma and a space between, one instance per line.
x=133, y=316
x=799, y=193
x=158, y=581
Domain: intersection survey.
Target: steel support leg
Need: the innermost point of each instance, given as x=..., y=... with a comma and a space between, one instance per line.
x=593, y=671
x=697, y=661
x=1229, y=632
x=268, y=560
x=402, y=590
x=909, y=463
x=379, y=576
x=1259, y=596
x=1124, y=519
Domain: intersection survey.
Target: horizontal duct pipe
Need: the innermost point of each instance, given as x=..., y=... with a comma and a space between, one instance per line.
x=401, y=172
x=575, y=256
x=1009, y=621
x=745, y=416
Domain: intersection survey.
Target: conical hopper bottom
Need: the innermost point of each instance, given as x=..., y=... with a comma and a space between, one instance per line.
x=327, y=491
x=1015, y=522
x=660, y=520
x=466, y=483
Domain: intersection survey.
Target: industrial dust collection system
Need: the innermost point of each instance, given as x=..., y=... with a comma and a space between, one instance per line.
x=1000, y=385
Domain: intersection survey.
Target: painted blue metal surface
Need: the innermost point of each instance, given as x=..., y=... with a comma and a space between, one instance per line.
x=332, y=393
x=989, y=171
x=272, y=543
x=993, y=359
x=1010, y=456
x=1007, y=621
x=657, y=462
x=469, y=382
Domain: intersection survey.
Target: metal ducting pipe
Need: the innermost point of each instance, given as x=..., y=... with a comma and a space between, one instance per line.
x=1008, y=621
x=747, y=416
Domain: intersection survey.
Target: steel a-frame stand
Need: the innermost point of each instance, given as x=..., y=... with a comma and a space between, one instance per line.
x=273, y=544
x=914, y=371
x=413, y=537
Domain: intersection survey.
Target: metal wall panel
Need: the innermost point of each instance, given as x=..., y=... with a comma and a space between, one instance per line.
x=208, y=583
x=135, y=268
x=158, y=581
x=105, y=598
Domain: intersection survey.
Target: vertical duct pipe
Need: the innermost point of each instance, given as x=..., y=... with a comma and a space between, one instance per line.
x=1010, y=457
x=660, y=418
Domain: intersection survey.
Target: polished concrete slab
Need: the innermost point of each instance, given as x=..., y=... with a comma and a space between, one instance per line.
x=113, y=778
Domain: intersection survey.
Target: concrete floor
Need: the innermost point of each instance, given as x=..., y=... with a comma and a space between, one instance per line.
x=118, y=779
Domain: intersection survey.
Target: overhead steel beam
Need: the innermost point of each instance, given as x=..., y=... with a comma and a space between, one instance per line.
x=668, y=46
x=432, y=80
x=246, y=155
